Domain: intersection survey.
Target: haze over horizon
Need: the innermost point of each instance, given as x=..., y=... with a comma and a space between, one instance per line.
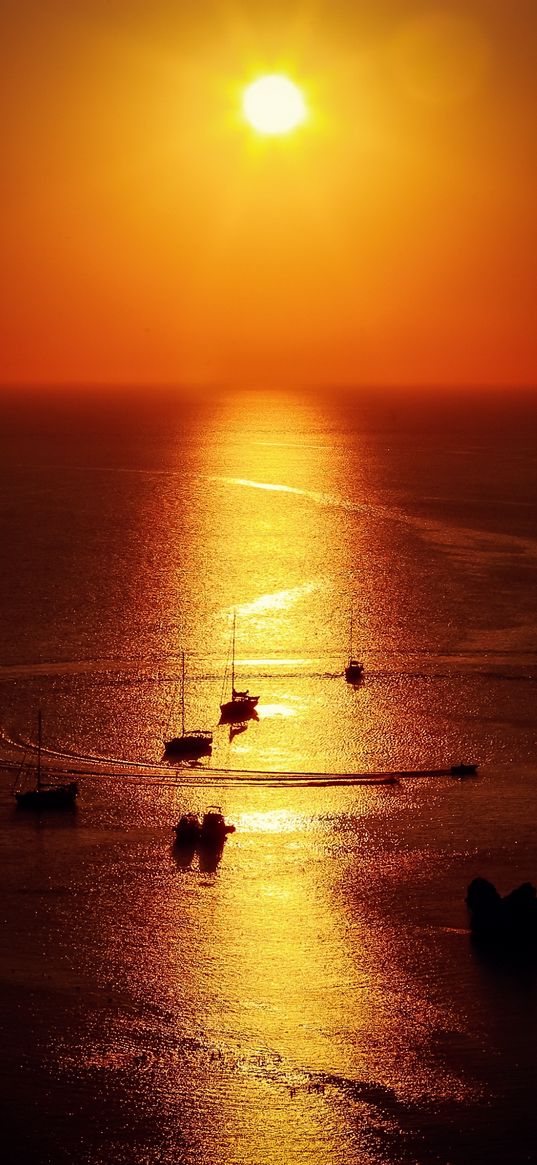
x=151, y=237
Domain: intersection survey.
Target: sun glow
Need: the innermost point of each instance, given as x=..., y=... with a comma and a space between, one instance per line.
x=274, y=105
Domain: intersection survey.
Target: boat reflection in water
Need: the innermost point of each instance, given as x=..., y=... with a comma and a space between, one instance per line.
x=209, y=857
x=236, y=729
x=183, y=854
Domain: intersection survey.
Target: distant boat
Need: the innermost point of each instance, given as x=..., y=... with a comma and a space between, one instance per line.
x=354, y=671
x=188, y=744
x=211, y=832
x=50, y=795
x=242, y=705
x=463, y=770
x=187, y=831
x=213, y=827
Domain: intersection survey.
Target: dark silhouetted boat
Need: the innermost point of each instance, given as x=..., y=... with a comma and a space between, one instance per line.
x=463, y=770
x=211, y=831
x=213, y=827
x=188, y=744
x=45, y=795
x=188, y=830
x=354, y=671
x=242, y=705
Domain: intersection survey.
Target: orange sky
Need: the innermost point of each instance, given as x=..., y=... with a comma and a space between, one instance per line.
x=149, y=236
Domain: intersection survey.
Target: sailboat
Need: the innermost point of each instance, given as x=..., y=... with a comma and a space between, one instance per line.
x=189, y=744
x=242, y=704
x=49, y=795
x=354, y=671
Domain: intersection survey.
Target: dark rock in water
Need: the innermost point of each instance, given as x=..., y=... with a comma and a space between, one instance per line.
x=509, y=922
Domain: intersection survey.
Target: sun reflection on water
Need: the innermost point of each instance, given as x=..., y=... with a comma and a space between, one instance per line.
x=271, y=662
x=279, y=601
x=273, y=821
x=265, y=711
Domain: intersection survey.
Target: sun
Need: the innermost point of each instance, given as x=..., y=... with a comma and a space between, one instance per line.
x=274, y=104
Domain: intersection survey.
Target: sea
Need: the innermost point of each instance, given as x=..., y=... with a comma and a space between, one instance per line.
x=310, y=995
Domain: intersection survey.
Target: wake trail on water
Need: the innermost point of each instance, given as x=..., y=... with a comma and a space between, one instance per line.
x=110, y=768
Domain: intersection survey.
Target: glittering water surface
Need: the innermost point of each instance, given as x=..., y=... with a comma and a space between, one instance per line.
x=311, y=993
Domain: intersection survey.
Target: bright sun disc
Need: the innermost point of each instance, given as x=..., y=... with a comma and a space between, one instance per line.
x=274, y=104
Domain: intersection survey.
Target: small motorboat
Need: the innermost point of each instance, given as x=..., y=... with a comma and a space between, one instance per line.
x=354, y=671
x=188, y=830
x=213, y=827
x=211, y=831
x=463, y=770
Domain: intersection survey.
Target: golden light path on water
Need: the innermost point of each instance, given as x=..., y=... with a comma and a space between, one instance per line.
x=275, y=979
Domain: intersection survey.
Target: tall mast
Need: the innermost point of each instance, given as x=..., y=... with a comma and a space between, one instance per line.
x=182, y=693
x=39, y=749
x=233, y=657
x=350, y=637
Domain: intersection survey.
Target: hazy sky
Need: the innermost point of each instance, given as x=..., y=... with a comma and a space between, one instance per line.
x=149, y=235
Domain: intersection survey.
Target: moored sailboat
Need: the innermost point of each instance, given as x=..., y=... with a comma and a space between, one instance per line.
x=188, y=744
x=354, y=671
x=242, y=705
x=45, y=795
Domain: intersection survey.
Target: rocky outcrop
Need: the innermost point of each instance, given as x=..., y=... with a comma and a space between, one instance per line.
x=509, y=922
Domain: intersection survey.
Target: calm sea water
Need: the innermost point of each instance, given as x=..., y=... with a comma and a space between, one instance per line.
x=314, y=995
